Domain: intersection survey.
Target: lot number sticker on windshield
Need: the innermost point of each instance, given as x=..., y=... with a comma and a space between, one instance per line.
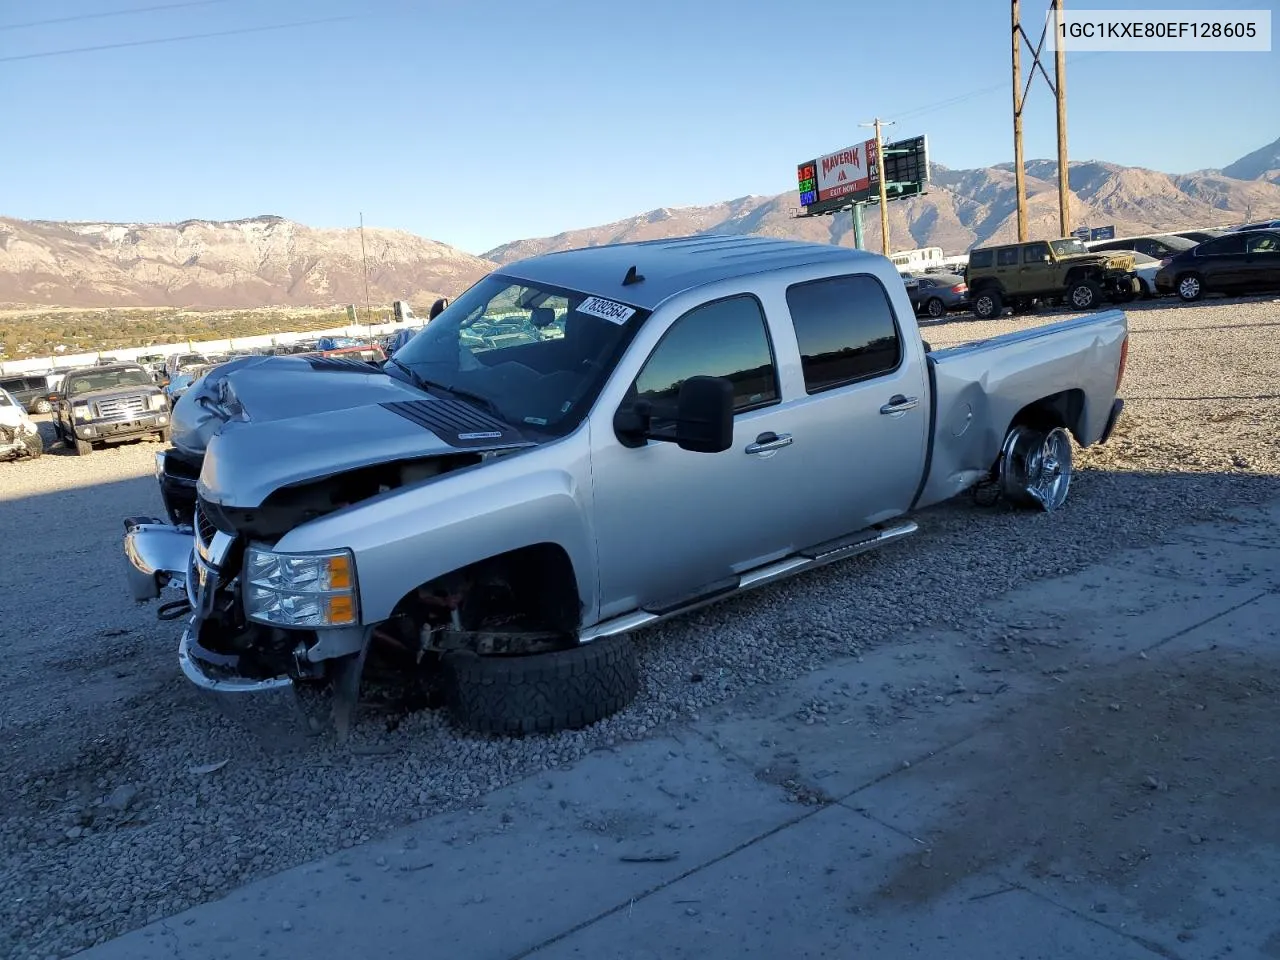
x=606, y=310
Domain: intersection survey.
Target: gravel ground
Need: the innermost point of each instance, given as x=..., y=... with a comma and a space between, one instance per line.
x=126, y=795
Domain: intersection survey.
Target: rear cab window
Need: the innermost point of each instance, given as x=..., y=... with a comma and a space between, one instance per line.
x=846, y=331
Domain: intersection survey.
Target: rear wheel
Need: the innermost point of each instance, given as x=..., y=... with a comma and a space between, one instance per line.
x=1036, y=467
x=43, y=406
x=935, y=308
x=1190, y=287
x=987, y=304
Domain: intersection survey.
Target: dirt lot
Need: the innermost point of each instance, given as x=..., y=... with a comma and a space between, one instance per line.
x=110, y=815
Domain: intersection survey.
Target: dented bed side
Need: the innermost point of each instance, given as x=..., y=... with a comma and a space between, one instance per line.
x=979, y=388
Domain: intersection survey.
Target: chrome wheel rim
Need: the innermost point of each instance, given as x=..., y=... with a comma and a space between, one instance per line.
x=1189, y=287
x=1081, y=297
x=1036, y=467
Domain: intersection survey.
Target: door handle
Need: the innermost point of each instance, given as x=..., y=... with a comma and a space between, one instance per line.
x=900, y=404
x=769, y=441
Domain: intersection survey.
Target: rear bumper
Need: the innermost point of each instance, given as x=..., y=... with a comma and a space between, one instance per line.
x=1116, y=409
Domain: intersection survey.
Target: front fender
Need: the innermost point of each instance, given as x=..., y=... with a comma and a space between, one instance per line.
x=410, y=536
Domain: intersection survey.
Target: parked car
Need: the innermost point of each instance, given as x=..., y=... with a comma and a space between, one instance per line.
x=179, y=385
x=32, y=391
x=1020, y=275
x=19, y=436
x=1237, y=263
x=1200, y=236
x=721, y=412
x=1146, y=268
x=935, y=294
x=1159, y=245
x=1259, y=225
x=175, y=363
x=108, y=405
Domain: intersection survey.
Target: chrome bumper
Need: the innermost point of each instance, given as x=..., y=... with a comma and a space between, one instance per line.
x=202, y=667
x=159, y=554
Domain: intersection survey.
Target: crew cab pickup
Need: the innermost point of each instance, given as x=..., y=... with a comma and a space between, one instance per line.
x=110, y=403
x=711, y=414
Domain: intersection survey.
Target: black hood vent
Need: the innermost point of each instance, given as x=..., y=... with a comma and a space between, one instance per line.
x=341, y=365
x=456, y=423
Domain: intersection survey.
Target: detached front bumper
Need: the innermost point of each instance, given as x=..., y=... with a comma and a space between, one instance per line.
x=215, y=671
x=159, y=555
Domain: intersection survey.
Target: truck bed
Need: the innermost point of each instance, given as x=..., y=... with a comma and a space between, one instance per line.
x=978, y=388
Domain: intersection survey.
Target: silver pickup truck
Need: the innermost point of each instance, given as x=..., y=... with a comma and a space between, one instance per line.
x=583, y=444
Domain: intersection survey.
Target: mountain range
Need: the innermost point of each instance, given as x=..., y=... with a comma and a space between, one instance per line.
x=270, y=261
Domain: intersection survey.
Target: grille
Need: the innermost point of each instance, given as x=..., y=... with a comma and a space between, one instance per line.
x=204, y=528
x=121, y=408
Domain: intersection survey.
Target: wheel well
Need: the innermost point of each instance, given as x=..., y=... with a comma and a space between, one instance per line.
x=1082, y=273
x=1063, y=409
x=987, y=286
x=533, y=583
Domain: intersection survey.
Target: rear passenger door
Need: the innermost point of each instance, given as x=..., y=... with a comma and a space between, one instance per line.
x=862, y=422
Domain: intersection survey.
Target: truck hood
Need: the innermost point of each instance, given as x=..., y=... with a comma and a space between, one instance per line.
x=1108, y=261
x=273, y=422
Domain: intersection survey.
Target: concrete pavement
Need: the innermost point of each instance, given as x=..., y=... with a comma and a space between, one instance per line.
x=1091, y=771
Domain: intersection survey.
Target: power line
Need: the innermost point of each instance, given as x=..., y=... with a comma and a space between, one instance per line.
x=109, y=13
x=184, y=37
x=972, y=94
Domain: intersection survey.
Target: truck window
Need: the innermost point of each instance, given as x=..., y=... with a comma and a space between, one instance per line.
x=980, y=259
x=1007, y=257
x=846, y=330
x=724, y=338
x=1035, y=253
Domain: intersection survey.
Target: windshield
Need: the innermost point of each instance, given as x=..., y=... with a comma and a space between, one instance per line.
x=1068, y=248
x=107, y=379
x=522, y=349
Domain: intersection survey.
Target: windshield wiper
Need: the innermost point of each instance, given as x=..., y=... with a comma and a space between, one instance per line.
x=422, y=383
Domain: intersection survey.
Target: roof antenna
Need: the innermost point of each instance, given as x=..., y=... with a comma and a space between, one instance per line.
x=632, y=277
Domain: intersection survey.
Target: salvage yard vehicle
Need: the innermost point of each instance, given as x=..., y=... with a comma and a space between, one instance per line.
x=33, y=391
x=19, y=436
x=109, y=404
x=720, y=413
x=1234, y=264
x=1019, y=275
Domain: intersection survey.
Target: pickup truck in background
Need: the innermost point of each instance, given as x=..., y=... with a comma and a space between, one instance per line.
x=705, y=415
x=110, y=403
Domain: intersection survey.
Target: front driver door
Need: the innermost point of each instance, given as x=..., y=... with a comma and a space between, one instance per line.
x=670, y=523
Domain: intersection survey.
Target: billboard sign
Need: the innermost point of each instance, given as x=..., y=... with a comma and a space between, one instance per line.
x=1103, y=233
x=845, y=173
x=1081, y=233
x=837, y=180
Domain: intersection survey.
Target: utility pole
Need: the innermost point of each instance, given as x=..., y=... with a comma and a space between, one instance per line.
x=1019, y=172
x=368, y=309
x=1020, y=91
x=1060, y=95
x=884, y=186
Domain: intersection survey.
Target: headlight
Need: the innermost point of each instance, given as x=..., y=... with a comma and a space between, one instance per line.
x=157, y=401
x=80, y=411
x=300, y=590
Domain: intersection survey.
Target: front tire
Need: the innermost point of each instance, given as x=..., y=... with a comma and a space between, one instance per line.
x=1084, y=295
x=83, y=447
x=987, y=305
x=35, y=445
x=542, y=692
x=1190, y=287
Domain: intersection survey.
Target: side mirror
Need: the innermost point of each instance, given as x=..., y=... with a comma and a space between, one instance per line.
x=704, y=415
x=703, y=418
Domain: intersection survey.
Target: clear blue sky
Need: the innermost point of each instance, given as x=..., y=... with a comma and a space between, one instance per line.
x=477, y=122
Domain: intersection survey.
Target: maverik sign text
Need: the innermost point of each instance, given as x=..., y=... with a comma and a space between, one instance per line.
x=845, y=171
